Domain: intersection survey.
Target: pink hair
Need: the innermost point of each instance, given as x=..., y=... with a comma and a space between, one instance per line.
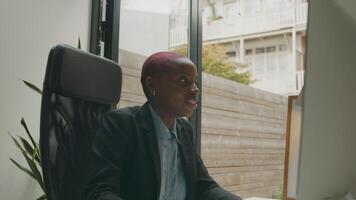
x=155, y=65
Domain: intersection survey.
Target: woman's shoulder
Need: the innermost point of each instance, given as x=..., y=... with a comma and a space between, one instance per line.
x=121, y=114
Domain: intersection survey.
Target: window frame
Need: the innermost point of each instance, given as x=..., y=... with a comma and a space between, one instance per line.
x=103, y=32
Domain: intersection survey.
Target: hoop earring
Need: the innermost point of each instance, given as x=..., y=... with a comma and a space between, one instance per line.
x=153, y=93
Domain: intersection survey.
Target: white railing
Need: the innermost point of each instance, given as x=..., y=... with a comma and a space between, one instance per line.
x=179, y=34
x=242, y=25
x=301, y=14
x=178, y=37
x=250, y=24
x=284, y=83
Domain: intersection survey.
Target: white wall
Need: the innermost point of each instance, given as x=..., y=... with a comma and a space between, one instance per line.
x=328, y=161
x=28, y=29
x=144, y=32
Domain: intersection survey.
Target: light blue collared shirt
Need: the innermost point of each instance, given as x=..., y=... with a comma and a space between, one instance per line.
x=173, y=185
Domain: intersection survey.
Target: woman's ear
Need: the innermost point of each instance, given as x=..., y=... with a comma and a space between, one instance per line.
x=149, y=83
x=150, y=90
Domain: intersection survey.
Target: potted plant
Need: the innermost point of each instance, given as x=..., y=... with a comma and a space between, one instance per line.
x=31, y=152
x=30, y=149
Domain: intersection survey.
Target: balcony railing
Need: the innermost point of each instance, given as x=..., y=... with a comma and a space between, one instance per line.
x=285, y=83
x=291, y=16
x=178, y=36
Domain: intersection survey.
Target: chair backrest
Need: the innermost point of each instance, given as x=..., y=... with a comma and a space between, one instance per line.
x=78, y=89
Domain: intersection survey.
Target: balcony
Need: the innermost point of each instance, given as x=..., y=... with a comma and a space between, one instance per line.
x=264, y=22
x=292, y=16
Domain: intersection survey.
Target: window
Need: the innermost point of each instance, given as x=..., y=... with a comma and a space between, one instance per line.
x=147, y=27
x=259, y=65
x=283, y=62
x=271, y=63
x=231, y=53
x=271, y=49
x=260, y=50
x=243, y=141
x=248, y=52
x=282, y=47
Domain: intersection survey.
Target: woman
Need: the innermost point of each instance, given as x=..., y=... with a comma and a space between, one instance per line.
x=148, y=152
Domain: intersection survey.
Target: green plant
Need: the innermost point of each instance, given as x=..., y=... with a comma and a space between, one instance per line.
x=79, y=45
x=31, y=152
x=217, y=63
x=31, y=149
x=278, y=193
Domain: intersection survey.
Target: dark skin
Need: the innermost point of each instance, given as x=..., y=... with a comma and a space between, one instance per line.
x=176, y=93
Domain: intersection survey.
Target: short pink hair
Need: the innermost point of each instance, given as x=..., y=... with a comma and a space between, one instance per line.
x=155, y=65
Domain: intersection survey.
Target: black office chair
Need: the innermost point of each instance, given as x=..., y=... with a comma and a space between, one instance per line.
x=78, y=89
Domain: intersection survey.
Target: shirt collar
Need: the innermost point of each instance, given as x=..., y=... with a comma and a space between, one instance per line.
x=161, y=127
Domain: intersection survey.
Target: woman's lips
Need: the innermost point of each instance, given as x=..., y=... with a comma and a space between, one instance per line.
x=193, y=102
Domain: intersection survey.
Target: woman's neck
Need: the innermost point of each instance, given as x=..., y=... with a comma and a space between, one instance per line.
x=165, y=116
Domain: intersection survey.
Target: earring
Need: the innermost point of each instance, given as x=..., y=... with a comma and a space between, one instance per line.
x=153, y=92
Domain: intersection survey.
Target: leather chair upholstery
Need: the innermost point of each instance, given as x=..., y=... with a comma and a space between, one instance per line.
x=78, y=89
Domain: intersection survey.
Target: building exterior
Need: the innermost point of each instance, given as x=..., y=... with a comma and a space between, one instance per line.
x=267, y=35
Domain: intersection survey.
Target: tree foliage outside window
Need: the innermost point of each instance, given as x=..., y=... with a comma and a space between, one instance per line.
x=216, y=62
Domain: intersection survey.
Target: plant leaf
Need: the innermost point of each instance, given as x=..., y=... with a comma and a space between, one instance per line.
x=35, y=88
x=22, y=168
x=23, y=123
x=42, y=197
x=30, y=150
x=36, y=173
x=37, y=156
x=79, y=45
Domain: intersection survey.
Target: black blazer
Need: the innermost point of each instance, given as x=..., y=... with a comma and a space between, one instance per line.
x=127, y=162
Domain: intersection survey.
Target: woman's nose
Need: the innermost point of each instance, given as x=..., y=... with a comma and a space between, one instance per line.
x=195, y=89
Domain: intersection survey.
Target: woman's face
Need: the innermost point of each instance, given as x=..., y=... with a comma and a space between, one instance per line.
x=176, y=93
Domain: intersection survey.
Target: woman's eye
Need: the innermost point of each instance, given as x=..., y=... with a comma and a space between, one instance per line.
x=183, y=80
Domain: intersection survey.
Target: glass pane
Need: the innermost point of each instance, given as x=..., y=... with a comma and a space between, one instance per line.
x=248, y=52
x=244, y=107
x=231, y=53
x=147, y=27
x=271, y=49
x=283, y=62
x=271, y=63
x=282, y=47
x=259, y=65
x=260, y=50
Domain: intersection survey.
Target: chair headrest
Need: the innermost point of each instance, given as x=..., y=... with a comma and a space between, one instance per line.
x=78, y=74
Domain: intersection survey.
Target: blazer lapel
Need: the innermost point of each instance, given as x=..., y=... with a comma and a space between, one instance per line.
x=151, y=139
x=187, y=150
